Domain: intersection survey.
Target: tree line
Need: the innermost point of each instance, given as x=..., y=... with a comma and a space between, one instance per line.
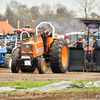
x=16, y=11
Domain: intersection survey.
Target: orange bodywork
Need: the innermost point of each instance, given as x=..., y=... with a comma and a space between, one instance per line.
x=64, y=56
x=49, y=42
x=37, y=48
x=16, y=68
x=44, y=65
x=90, y=49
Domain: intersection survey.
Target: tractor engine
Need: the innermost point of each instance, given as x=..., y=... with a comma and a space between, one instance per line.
x=32, y=49
x=29, y=53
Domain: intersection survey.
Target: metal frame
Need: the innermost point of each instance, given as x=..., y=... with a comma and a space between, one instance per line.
x=23, y=33
x=97, y=59
x=94, y=24
x=53, y=31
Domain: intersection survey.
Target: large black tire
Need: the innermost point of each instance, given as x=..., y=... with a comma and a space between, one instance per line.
x=15, y=55
x=59, y=56
x=14, y=67
x=6, y=60
x=41, y=66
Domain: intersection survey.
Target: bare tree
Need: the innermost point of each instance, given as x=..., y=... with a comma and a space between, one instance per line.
x=86, y=6
x=2, y=17
x=14, y=6
x=34, y=10
x=16, y=11
x=9, y=15
x=62, y=11
x=12, y=12
x=24, y=14
x=46, y=10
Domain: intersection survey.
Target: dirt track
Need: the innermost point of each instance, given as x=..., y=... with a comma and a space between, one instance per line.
x=7, y=76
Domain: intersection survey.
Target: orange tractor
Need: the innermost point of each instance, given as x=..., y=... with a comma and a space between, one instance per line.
x=30, y=55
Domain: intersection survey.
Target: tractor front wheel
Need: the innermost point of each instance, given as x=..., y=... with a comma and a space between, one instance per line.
x=15, y=55
x=41, y=65
x=14, y=67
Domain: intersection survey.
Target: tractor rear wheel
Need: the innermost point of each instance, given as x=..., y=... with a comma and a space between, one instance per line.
x=15, y=55
x=59, y=56
x=41, y=65
x=6, y=60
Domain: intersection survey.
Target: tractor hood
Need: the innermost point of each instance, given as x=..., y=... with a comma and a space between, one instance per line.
x=31, y=41
x=32, y=49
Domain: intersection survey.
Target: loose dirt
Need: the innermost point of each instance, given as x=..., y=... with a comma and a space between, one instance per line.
x=86, y=95
x=7, y=76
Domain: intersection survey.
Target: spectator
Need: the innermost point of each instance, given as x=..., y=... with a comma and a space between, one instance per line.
x=94, y=43
x=94, y=48
x=84, y=46
x=79, y=43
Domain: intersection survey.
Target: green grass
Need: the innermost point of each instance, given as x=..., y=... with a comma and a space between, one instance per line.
x=82, y=89
x=27, y=84
x=81, y=81
x=33, y=84
x=57, y=91
x=77, y=90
